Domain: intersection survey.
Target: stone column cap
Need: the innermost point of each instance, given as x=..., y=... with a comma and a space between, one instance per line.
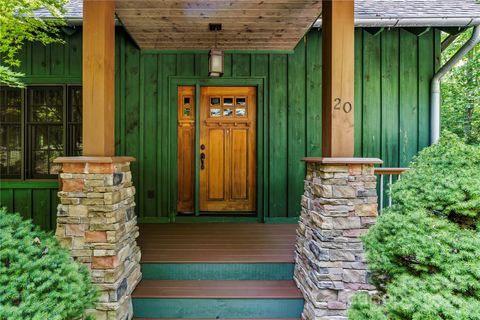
x=342, y=160
x=87, y=159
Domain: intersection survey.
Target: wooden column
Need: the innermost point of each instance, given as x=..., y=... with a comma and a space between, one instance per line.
x=338, y=33
x=98, y=77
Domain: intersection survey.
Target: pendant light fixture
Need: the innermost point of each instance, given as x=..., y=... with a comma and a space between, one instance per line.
x=215, y=56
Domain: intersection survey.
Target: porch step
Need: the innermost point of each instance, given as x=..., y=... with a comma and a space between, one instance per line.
x=217, y=271
x=219, y=299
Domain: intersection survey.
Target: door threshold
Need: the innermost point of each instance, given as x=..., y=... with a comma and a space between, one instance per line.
x=215, y=218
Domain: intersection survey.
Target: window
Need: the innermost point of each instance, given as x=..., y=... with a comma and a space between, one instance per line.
x=37, y=125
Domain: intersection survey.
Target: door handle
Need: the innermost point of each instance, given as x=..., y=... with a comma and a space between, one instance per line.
x=202, y=160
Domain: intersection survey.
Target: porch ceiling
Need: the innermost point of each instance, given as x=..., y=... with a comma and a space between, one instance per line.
x=247, y=24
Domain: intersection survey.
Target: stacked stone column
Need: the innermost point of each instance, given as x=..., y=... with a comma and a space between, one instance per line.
x=338, y=206
x=97, y=222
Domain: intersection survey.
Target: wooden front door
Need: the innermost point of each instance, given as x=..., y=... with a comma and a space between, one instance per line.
x=227, y=149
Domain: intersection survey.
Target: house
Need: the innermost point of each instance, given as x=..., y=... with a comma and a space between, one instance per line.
x=217, y=149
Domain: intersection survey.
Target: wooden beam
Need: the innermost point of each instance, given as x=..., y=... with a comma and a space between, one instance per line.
x=338, y=78
x=98, y=76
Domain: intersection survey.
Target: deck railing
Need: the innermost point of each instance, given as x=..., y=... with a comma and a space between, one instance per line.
x=387, y=177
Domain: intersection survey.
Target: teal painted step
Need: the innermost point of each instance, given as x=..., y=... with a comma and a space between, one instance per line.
x=217, y=271
x=217, y=308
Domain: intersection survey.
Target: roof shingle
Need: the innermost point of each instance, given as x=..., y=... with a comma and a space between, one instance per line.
x=425, y=11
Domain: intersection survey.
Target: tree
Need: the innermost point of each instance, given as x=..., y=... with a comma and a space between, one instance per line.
x=18, y=24
x=461, y=92
x=38, y=278
x=423, y=252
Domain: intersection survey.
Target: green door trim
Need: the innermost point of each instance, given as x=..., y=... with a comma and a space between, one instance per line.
x=198, y=82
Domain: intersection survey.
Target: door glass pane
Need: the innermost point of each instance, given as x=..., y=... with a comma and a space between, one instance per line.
x=228, y=101
x=214, y=101
x=215, y=112
x=240, y=112
x=228, y=112
x=240, y=101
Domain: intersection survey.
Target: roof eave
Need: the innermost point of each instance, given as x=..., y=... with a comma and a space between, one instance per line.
x=412, y=22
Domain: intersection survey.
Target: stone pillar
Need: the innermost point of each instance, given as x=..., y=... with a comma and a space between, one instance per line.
x=338, y=206
x=96, y=220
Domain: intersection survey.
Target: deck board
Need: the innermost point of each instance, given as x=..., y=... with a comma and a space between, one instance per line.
x=224, y=289
x=217, y=243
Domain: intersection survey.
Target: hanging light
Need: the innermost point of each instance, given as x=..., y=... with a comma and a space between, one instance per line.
x=215, y=56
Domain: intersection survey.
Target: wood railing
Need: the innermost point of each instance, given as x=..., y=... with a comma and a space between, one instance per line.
x=391, y=174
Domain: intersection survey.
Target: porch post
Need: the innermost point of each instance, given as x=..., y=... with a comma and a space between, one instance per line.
x=339, y=203
x=338, y=34
x=96, y=217
x=98, y=72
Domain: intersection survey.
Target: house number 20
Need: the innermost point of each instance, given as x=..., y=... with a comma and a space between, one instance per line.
x=346, y=106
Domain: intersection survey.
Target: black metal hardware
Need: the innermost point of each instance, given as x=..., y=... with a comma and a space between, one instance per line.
x=202, y=161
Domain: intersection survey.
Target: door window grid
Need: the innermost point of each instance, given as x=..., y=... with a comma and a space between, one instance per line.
x=228, y=107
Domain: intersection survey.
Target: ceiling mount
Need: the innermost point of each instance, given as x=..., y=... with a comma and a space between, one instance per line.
x=215, y=26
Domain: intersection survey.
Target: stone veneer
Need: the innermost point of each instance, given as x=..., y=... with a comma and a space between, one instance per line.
x=338, y=206
x=96, y=220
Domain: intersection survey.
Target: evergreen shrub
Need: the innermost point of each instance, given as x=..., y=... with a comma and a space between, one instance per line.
x=424, y=252
x=38, y=278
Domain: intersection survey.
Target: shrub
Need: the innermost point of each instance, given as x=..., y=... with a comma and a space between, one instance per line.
x=38, y=278
x=424, y=252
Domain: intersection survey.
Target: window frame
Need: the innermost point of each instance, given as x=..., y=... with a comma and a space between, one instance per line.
x=27, y=143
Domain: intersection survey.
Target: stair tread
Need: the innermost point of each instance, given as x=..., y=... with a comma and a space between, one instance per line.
x=217, y=243
x=218, y=289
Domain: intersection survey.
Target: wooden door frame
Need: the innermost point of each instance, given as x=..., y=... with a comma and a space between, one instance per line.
x=260, y=84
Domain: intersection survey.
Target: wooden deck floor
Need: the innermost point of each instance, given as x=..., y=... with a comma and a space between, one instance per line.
x=217, y=243
x=215, y=289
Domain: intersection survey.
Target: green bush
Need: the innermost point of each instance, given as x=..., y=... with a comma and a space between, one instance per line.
x=38, y=278
x=424, y=252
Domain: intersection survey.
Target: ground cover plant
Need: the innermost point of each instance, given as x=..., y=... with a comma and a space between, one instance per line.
x=424, y=252
x=38, y=278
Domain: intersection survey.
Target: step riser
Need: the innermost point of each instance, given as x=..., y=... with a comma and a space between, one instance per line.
x=217, y=308
x=214, y=271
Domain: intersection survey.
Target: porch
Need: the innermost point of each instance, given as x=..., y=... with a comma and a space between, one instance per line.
x=305, y=105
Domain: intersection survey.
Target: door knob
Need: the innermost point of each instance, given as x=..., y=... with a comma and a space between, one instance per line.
x=202, y=160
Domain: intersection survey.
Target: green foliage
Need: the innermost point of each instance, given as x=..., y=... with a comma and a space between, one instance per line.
x=461, y=92
x=38, y=278
x=445, y=179
x=19, y=25
x=424, y=251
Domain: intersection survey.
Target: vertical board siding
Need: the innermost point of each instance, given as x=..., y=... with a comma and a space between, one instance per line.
x=392, y=74
x=296, y=135
x=36, y=203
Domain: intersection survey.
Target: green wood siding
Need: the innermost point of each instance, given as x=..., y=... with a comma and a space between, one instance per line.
x=392, y=74
x=57, y=63
x=36, y=200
